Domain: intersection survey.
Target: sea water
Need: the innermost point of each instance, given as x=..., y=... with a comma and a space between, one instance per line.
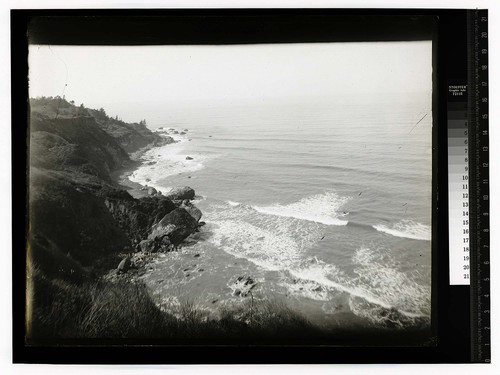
x=326, y=203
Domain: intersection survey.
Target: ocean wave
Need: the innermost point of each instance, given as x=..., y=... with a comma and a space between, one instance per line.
x=265, y=248
x=407, y=229
x=328, y=276
x=398, y=292
x=378, y=292
x=320, y=208
x=169, y=160
x=375, y=288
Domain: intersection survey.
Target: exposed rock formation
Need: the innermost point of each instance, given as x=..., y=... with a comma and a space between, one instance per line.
x=192, y=210
x=181, y=193
x=177, y=225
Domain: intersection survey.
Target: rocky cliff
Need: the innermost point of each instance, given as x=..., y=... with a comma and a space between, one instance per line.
x=80, y=220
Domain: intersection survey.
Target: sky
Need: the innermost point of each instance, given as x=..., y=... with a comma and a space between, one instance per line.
x=122, y=79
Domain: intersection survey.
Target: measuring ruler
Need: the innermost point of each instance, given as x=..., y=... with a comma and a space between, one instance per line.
x=479, y=186
x=468, y=184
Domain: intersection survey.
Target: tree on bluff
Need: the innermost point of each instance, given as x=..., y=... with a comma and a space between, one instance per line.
x=82, y=111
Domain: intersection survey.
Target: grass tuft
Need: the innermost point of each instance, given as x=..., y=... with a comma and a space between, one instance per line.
x=124, y=310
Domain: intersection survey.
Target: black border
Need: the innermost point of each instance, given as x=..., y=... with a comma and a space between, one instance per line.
x=447, y=29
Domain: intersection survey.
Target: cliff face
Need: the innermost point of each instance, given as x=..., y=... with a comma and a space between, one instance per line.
x=130, y=136
x=73, y=220
x=77, y=144
x=79, y=219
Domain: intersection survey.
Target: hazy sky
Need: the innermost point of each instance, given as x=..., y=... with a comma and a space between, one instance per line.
x=117, y=77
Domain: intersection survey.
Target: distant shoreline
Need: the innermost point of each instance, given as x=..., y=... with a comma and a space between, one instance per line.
x=121, y=176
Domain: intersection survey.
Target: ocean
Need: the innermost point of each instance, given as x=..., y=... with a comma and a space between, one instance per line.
x=325, y=203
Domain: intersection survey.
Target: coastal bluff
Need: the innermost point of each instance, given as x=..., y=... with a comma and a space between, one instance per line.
x=82, y=223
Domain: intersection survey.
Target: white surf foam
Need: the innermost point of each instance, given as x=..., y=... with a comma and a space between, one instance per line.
x=168, y=160
x=278, y=243
x=271, y=251
x=379, y=275
x=378, y=288
x=320, y=208
x=407, y=229
x=322, y=275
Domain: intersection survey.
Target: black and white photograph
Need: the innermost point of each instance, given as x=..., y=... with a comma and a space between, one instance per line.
x=243, y=193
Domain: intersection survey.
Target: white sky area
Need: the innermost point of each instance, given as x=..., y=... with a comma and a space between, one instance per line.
x=119, y=78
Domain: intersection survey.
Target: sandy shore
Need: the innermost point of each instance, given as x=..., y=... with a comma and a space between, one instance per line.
x=121, y=176
x=133, y=188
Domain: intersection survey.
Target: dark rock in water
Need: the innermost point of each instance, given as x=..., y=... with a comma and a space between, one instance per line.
x=165, y=244
x=186, y=130
x=175, y=132
x=196, y=255
x=177, y=225
x=189, y=158
x=124, y=265
x=209, y=136
x=192, y=210
x=145, y=245
x=189, y=139
x=182, y=133
x=151, y=163
x=181, y=193
x=243, y=286
x=147, y=180
x=158, y=244
x=201, y=223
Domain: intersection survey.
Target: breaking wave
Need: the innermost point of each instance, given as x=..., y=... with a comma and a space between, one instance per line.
x=407, y=229
x=320, y=208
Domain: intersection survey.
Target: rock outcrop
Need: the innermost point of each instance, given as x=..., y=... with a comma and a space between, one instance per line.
x=181, y=193
x=124, y=265
x=176, y=226
x=191, y=209
x=243, y=286
x=136, y=217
